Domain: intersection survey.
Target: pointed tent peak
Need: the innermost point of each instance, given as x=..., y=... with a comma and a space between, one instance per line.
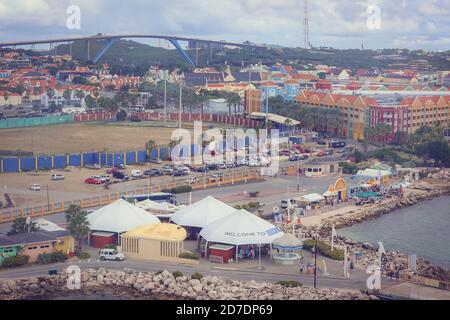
x=202, y=213
x=120, y=216
x=288, y=240
x=241, y=228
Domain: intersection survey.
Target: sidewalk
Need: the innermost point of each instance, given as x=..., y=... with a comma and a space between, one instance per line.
x=314, y=220
x=413, y=291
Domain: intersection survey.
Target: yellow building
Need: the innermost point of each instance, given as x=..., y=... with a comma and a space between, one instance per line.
x=338, y=191
x=155, y=242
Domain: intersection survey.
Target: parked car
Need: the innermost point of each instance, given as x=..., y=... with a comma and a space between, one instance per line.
x=121, y=166
x=112, y=170
x=136, y=173
x=322, y=143
x=223, y=166
x=35, y=187
x=105, y=178
x=294, y=157
x=304, y=156
x=179, y=173
x=213, y=167
x=215, y=178
x=92, y=181
x=167, y=170
x=111, y=254
x=156, y=160
x=202, y=169
x=153, y=173
x=120, y=175
x=93, y=166
x=57, y=177
x=184, y=169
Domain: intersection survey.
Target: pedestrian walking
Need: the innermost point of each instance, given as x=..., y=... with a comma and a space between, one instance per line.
x=301, y=266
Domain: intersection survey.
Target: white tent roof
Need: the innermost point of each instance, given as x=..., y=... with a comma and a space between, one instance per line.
x=153, y=205
x=202, y=213
x=120, y=216
x=46, y=225
x=372, y=173
x=287, y=241
x=314, y=197
x=241, y=228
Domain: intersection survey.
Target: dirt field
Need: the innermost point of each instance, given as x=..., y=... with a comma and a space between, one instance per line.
x=72, y=138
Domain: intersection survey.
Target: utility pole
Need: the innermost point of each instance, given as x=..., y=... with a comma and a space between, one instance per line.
x=315, y=262
x=165, y=98
x=306, y=26
x=267, y=103
x=181, y=102
x=48, y=198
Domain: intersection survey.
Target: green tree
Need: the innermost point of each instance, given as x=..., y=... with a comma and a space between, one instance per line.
x=67, y=95
x=78, y=225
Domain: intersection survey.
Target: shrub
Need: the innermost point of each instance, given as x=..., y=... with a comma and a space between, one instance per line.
x=290, y=284
x=84, y=255
x=111, y=246
x=177, y=274
x=238, y=207
x=17, y=261
x=44, y=258
x=188, y=255
x=324, y=249
x=178, y=190
x=197, y=276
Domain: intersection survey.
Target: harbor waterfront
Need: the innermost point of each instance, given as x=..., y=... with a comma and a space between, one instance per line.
x=421, y=229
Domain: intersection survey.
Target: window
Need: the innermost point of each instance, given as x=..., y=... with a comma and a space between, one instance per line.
x=45, y=247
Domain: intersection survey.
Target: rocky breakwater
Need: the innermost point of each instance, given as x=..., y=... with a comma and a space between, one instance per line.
x=129, y=284
x=437, y=185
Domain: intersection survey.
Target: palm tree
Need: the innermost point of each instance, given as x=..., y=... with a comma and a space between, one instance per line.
x=67, y=95
x=22, y=225
x=149, y=147
x=50, y=93
x=78, y=225
x=79, y=94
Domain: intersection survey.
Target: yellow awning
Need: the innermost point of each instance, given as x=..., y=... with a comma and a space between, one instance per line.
x=160, y=231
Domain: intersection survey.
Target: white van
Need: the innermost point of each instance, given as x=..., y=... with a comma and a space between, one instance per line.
x=136, y=173
x=111, y=254
x=57, y=177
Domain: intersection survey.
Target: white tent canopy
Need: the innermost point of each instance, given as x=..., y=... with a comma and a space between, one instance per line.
x=158, y=206
x=314, y=197
x=241, y=228
x=120, y=216
x=202, y=213
x=288, y=241
x=46, y=225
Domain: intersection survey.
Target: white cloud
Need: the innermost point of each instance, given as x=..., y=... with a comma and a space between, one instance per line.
x=332, y=22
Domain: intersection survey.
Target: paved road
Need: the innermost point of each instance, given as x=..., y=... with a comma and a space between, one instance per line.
x=234, y=274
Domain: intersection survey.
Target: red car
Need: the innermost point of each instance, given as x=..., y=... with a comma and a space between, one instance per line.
x=112, y=170
x=92, y=181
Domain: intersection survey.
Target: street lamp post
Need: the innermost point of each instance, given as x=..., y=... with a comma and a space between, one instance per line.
x=181, y=102
x=315, y=261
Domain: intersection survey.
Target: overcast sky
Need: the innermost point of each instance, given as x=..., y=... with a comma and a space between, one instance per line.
x=414, y=24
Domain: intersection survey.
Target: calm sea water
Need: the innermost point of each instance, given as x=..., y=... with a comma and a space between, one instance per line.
x=423, y=229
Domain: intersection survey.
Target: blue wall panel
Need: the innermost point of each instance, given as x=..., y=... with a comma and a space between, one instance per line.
x=164, y=153
x=142, y=156
x=60, y=162
x=103, y=158
x=44, y=163
x=118, y=159
x=131, y=157
x=27, y=164
x=75, y=160
x=154, y=154
x=109, y=159
x=10, y=165
x=89, y=158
